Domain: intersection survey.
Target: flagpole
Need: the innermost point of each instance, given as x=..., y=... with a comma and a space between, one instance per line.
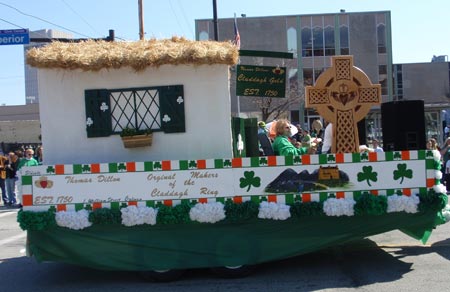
x=237, y=96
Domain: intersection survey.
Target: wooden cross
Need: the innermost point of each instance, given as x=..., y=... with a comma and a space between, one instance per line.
x=343, y=95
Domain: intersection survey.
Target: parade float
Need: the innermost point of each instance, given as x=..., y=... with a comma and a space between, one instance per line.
x=177, y=197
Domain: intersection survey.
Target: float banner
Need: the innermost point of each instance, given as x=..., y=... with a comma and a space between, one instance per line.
x=279, y=178
x=262, y=81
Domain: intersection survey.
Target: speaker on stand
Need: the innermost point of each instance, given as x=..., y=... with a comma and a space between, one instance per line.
x=403, y=124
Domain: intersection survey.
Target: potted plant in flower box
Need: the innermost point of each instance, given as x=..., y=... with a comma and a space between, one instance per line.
x=133, y=138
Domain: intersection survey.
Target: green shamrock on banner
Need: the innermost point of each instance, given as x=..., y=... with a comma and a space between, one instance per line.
x=367, y=174
x=402, y=172
x=249, y=180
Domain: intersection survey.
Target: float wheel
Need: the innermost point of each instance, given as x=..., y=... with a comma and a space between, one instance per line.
x=161, y=275
x=233, y=271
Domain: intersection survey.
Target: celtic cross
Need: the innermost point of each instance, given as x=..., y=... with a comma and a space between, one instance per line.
x=343, y=95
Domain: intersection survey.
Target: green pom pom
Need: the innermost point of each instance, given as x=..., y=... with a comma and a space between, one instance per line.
x=244, y=211
x=36, y=220
x=105, y=216
x=368, y=204
x=299, y=209
x=173, y=215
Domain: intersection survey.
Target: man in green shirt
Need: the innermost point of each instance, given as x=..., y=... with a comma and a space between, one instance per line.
x=28, y=160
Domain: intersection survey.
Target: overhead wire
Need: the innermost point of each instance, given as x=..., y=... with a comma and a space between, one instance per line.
x=81, y=17
x=176, y=17
x=186, y=20
x=43, y=20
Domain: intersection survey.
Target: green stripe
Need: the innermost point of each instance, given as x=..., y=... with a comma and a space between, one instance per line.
x=356, y=195
x=150, y=204
x=148, y=166
x=323, y=196
x=218, y=163
x=421, y=154
x=289, y=198
x=221, y=200
x=115, y=205
x=390, y=192
x=112, y=167
x=184, y=165
x=289, y=160
x=389, y=156
x=77, y=169
x=79, y=207
x=430, y=164
x=356, y=157
x=254, y=161
x=27, y=180
x=423, y=191
x=255, y=199
x=323, y=159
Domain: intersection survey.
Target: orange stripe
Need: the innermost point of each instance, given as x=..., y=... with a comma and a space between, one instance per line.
x=407, y=192
x=374, y=192
x=167, y=203
x=430, y=182
x=272, y=160
x=236, y=162
x=237, y=199
x=405, y=155
x=339, y=157
x=59, y=169
x=27, y=200
x=306, y=159
x=61, y=207
x=272, y=198
x=131, y=166
x=165, y=164
x=132, y=203
x=96, y=205
x=373, y=156
x=340, y=195
x=203, y=200
x=306, y=198
x=95, y=168
x=201, y=164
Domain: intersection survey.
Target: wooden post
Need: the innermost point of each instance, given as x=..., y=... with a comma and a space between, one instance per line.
x=141, y=20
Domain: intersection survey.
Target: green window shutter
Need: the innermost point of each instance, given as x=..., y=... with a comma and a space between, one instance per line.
x=171, y=103
x=98, y=113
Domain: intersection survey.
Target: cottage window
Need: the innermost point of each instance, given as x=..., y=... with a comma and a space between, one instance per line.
x=109, y=111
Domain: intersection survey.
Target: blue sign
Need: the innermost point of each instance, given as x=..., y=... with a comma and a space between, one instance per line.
x=14, y=37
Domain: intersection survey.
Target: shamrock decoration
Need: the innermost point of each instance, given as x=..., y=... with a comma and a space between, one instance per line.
x=397, y=156
x=297, y=159
x=402, y=172
x=249, y=180
x=331, y=158
x=263, y=161
x=226, y=163
x=192, y=164
x=367, y=174
x=365, y=156
x=121, y=167
x=157, y=165
x=429, y=154
x=86, y=168
x=50, y=169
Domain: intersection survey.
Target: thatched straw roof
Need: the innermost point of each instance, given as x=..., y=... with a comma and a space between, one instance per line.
x=97, y=55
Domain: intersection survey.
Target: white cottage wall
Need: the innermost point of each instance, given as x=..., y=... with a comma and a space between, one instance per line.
x=207, y=110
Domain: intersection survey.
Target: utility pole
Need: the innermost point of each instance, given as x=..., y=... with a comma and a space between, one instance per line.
x=141, y=20
x=216, y=30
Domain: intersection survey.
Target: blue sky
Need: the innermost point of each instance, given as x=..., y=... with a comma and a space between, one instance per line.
x=420, y=29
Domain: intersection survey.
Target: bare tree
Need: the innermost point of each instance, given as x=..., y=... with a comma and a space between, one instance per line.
x=273, y=108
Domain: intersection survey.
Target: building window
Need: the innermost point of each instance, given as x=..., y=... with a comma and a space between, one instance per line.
x=203, y=36
x=345, y=48
x=306, y=42
x=318, y=41
x=292, y=41
x=381, y=38
x=308, y=78
x=158, y=108
x=329, y=41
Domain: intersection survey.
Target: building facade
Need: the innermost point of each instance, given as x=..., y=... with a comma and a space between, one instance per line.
x=313, y=39
x=31, y=81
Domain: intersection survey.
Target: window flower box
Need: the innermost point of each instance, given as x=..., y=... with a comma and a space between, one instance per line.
x=133, y=138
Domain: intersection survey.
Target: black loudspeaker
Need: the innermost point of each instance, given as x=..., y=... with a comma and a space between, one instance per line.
x=403, y=124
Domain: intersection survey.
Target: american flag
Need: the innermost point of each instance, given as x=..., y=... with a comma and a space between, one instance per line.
x=237, y=37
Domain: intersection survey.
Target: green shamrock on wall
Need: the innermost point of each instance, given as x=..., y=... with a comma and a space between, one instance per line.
x=297, y=160
x=192, y=164
x=86, y=168
x=121, y=167
x=331, y=158
x=263, y=161
x=226, y=163
x=50, y=169
x=249, y=180
x=367, y=174
x=157, y=165
x=364, y=156
x=397, y=155
x=402, y=172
